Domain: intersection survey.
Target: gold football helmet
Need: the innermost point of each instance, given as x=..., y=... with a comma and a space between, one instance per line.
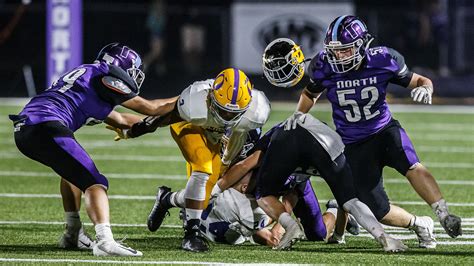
x=230, y=96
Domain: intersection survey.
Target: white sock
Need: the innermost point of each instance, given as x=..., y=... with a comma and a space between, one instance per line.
x=73, y=221
x=193, y=214
x=412, y=221
x=440, y=208
x=103, y=232
x=364, y=217
x=177, y=199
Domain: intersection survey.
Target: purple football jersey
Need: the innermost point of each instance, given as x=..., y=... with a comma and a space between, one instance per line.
x=76, y=98
x=358, y=96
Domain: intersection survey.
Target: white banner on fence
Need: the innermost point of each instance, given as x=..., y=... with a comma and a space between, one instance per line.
x=254, y=25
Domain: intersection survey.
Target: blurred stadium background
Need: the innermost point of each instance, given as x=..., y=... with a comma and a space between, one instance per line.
x=184, y=40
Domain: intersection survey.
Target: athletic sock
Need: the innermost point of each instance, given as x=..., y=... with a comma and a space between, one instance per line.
x=103, y=232
x=73, y=221
x=440, y=208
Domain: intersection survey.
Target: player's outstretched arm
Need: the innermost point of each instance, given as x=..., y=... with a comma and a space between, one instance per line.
x=157, y=107
x=121, y=123
x=421, y=88
x=307, y=100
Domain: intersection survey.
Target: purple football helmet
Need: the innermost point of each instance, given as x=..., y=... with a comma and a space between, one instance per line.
x=343, y=34
x=125, y=58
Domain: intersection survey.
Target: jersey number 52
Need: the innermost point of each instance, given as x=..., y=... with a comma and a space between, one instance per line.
x=356, y=114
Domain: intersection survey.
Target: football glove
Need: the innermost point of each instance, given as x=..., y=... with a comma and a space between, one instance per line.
x=291, y=121
x=422, y=93
x=121, y=133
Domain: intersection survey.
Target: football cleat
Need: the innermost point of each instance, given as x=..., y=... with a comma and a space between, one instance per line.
x=159, y=210
x=113, y=248
x=336, y=239
x=452, y=225
x=193, y=241
x=77, y=240
x=292, y=234
x=391, y=244
x=352, y=226
x=423, y=228
x=332, y=204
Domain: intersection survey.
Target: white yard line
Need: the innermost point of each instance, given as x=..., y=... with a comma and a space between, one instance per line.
x=18, y=260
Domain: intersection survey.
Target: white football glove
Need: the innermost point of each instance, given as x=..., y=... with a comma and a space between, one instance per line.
x=422, y=93
x=291, y=121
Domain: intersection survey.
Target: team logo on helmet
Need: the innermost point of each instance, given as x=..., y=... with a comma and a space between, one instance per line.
x=283, y=63
x=230, y=96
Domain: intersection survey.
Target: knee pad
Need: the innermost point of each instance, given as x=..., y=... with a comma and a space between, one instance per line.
x=196, y=186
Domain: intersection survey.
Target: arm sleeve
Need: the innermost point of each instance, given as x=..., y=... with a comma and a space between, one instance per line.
x=403, y=76
x=116, y=86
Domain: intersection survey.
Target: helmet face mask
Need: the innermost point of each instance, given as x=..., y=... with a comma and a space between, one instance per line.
x=344, y=33
x=230, y=97
x=283, y=63
x=125, y=58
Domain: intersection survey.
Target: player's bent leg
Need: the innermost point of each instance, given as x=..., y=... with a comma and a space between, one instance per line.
x=97, y=206
x=424, y=183
x=195, y=195
x=367, y=220
x=422, y=226
x=308, y=211
x=427, y=187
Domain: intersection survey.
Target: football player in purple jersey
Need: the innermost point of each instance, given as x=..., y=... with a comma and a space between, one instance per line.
x=44, y=131
x=355, y=78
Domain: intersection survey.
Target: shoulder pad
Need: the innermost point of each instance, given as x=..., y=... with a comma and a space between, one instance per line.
x=192, y=103
x=380, y=57
x=257, y=114
x=121, y=74
x=318, y=68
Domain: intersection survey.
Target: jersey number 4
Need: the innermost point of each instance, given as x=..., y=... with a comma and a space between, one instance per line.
x=356, y=115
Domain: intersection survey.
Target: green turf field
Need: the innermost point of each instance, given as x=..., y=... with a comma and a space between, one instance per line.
x=31, y=211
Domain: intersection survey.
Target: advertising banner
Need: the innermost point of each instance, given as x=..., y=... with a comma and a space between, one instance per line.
x=254, y=25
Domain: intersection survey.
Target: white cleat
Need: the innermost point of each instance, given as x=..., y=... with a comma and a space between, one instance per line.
x=112, y=248
x=292, y=234
x=391, y=244
x=76, y=240
x=423, y=228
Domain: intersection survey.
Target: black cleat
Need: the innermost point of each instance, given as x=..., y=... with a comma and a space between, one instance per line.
x=452, y=225
x=352, y=226
x=160, y=209
x=332, y=204
x=194, y=242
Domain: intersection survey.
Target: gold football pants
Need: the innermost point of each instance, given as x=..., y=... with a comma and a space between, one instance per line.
x=200, y=154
